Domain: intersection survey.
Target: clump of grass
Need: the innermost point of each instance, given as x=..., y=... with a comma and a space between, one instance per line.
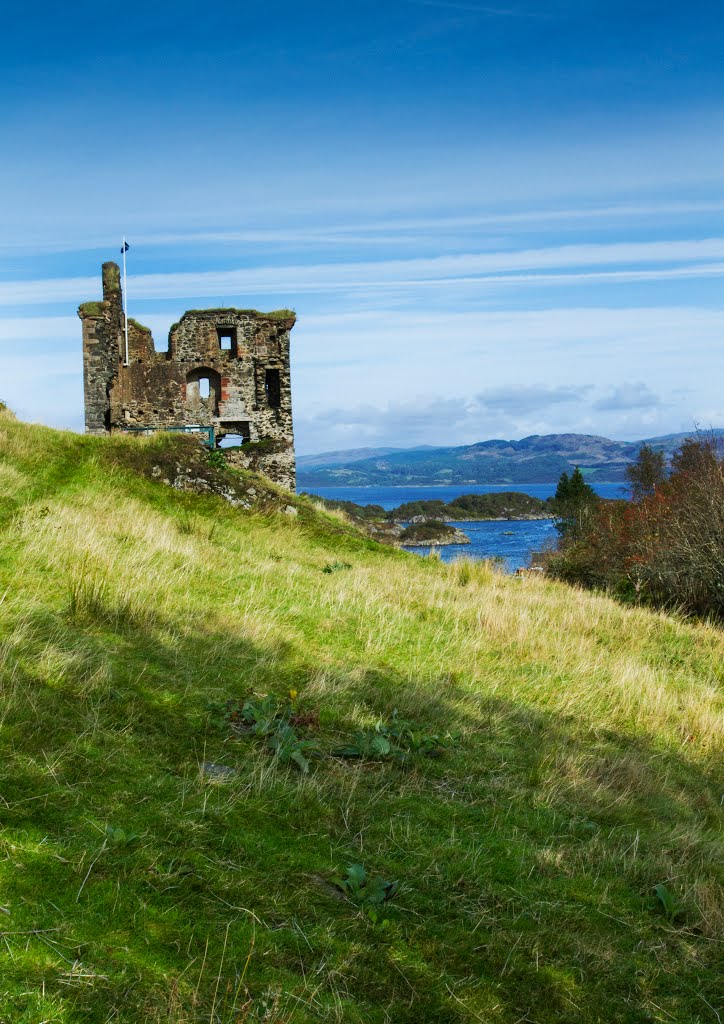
x=94, y=597
x=189, y=525
x=479, y=570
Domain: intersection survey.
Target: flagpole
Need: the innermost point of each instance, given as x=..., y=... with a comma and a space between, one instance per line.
x=125, y=299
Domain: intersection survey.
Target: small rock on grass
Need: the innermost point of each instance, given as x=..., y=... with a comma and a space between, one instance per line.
x=217, y=772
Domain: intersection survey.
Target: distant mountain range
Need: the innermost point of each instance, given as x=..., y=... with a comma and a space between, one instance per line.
x=539, y=459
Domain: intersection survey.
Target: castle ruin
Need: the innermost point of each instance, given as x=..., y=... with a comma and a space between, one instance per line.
x=226, y=369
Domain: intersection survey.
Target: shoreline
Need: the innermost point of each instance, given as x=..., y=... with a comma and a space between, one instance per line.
x=301, y=489
x=532, y=518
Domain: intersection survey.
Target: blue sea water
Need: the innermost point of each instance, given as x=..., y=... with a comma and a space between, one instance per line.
x=513, y=541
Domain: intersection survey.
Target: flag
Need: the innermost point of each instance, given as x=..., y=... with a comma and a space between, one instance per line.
x=125, y=247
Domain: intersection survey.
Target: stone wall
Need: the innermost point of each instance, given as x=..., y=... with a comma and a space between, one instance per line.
x=225, y=368
x=274, y=459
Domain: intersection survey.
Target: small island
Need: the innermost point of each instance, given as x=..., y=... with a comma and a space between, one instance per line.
x=431, y=534
x=500, y=506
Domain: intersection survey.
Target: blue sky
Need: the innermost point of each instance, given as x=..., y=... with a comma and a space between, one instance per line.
x=493, y=219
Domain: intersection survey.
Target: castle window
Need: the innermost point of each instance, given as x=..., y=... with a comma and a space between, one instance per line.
x=272, y=387
x=204, y=385
x=227, y=339
x=233, y=433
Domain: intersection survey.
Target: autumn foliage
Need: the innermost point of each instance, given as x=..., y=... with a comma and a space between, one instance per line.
x=666, y=547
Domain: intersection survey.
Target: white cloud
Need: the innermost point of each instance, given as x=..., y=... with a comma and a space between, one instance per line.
x=391, y=230
x=531, y=370
x=439, y=420
x=523, y=400
x=469, y=268
x=626, y=397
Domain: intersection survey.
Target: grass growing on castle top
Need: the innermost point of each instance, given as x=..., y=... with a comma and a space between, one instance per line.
x=581, y=771
x=138, y=324
x=92, y=308
x=274, y=314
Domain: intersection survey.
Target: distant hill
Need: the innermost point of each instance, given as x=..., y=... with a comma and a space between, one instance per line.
x=336, y=458
x=540, y=458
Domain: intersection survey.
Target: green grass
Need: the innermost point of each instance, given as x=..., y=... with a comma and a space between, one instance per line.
x=135, y=885
x=92, y=308
x=138, y=324
x=274, y=314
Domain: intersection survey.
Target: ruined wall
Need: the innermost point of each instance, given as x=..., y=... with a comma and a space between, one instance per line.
x=272, y=458
x=240, y=355
x=102, y=329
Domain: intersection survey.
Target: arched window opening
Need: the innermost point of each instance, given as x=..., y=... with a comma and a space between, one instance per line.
x=203, y=390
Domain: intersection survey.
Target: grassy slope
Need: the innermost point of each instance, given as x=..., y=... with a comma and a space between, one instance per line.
x=585, y=773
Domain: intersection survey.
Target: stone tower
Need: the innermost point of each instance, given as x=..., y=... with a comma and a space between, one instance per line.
x=224, y=368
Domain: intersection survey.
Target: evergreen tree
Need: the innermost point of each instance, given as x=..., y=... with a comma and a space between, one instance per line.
x=579, y=492
x=573, y=502
x=563, y=488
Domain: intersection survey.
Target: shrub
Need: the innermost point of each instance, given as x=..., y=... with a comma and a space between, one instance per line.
x=666, y=548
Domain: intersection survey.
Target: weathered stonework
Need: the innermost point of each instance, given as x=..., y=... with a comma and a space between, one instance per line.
x=224, y=368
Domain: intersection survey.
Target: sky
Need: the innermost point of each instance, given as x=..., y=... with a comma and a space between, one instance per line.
x=492, y=219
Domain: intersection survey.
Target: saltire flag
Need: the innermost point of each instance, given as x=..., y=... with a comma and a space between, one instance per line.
x=125, y=247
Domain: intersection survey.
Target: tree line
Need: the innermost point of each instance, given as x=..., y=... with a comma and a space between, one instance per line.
x=664, y=547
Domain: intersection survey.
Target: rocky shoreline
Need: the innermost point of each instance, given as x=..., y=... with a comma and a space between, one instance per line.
x=451, y=536
x=425, y=534
x=478, y=519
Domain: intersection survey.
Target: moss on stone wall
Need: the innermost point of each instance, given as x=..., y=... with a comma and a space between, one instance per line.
x=138, y=326
x=275, y=314
x=280, y=314
x=111, y=278
x=92, y=308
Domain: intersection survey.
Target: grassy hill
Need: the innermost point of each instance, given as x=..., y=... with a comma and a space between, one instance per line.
x=159, y=862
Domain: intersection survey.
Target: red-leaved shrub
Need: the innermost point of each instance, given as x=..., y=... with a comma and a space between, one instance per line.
x=667, y=548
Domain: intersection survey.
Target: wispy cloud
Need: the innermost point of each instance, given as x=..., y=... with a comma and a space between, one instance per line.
x=481, y=268
x=377, y=230
x=542, y=363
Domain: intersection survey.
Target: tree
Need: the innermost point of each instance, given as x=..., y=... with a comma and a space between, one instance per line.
x=563, y=488
x=646, y=473
x=666, y=549
x=695, y=456
x=573, y=502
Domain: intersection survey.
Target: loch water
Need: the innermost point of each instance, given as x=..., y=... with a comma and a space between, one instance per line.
x=512, y=540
